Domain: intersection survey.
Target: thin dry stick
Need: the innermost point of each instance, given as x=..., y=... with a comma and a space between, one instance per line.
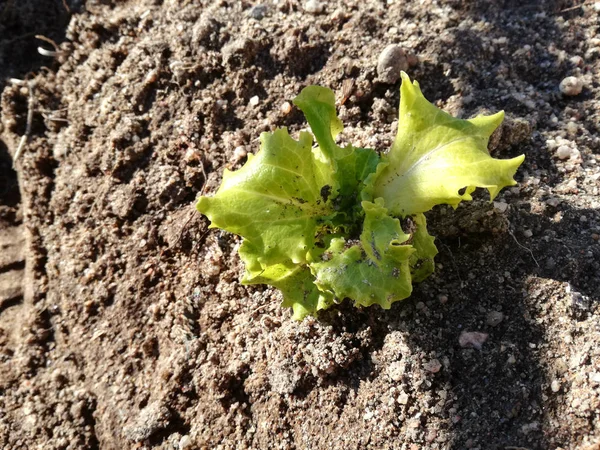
x=25, y=137
x=454, y=262
x=42, y=51
x=49, y=41
x=522, y=246
x=572, y=8
x=65, y=4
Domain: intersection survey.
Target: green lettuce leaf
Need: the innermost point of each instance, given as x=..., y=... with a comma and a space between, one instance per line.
x=322, y=223
x=421, y=261
x=350, y=165
x=435, y=155
x=374, y=270
x=274, y=201
x=295, y=281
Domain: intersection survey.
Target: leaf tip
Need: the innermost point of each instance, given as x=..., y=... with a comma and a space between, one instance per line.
x=486, y=125
x=202, y=204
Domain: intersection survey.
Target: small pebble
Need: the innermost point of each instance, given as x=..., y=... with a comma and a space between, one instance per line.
x=396, y=370
x=433, y=366
x=474, y=339
x=402, y=398
x=576, y=60
x=494, y=318
x=501, y=206
x=185, y=442
x=511, y=359
x=529, y=427
x=314, y=7
x=258, y=12
x=555, y=386
x=527, y=233
x=286, y=108
x=254, y=100
x=564, y=152
x=431, y=435
x=391, y=62
x=572, y=127
x=239, y=153
x=571, y=86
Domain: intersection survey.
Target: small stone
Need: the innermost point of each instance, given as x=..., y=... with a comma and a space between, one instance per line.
x=314, y=7
x=564, y=152
x=150, y=419
x=529, y=427
x=579, y=302
x=501, y=206
x=595, y=377
x=511, y=359
x=576, y=60
x=572, y=128
x=286, y=108
x=555, y=385
x=431, y=435
x=368, y=415
x=239, y=153
x=396, y=370
x=474, y=339
x=185, y=442
x=527, y=233
x=494, y=318
x=443, y=299
x=571, y=86
x=391, y=62
x=402, y=399
x=433, y=366
x=254, y=100
x=258, y=12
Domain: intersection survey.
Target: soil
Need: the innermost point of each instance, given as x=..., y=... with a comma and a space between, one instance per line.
x=122, y=320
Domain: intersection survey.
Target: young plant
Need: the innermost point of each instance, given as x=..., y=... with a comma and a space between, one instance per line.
x=326, y=223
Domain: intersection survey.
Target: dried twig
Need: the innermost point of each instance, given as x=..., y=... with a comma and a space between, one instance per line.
x=30, y=108
x=572, y=8
x=42, y=51
x=455, y=266
x=522, y=246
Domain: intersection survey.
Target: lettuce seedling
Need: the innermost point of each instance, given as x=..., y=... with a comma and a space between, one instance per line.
x=326, y=223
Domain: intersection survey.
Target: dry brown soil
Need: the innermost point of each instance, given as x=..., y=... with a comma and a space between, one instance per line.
x=122, y=321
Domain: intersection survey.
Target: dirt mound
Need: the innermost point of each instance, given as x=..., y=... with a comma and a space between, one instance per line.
x=122, y=320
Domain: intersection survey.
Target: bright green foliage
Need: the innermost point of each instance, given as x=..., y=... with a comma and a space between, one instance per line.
x=435, y=155
x=326, y=223
x=375, y=269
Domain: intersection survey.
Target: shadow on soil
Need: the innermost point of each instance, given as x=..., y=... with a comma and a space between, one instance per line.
x=20, y=22
x=497, y=394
